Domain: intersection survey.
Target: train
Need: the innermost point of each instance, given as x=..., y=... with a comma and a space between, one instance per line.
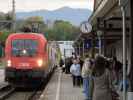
x=30, y=58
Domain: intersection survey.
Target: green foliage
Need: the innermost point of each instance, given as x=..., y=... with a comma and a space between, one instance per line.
x=2, y=16
x=35, y=19
x=8, y=16
x=4, y=36
x=62, y=30
x=19, y=25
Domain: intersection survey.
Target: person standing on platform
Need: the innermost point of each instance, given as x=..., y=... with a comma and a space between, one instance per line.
x=117, y=67
x=86, y=75
x=80, y=62
x=61, y=62
x=68, y=65
x=76, y=73
x=102, y=78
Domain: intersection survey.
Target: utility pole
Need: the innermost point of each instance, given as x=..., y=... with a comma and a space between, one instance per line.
x=124, y=52
x=131, y=57
x=13, y=16
x=4, y=23
x=122, y=7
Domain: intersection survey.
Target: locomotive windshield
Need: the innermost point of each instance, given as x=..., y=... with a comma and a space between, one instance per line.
x=25, y=47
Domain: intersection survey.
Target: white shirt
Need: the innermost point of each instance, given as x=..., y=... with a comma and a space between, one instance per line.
x=75, y=69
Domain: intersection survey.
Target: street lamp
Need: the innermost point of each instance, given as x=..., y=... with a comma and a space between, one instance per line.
x=99, y=34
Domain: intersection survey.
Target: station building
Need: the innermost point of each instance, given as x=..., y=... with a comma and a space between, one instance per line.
x=106, y=19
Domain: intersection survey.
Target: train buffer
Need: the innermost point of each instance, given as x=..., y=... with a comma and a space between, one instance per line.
x=60, y=88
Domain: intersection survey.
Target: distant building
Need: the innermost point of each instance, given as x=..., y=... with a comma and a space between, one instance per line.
x=66, y=48
x=49, y=23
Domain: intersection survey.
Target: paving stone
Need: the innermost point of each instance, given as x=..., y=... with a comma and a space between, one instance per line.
x=67, y=91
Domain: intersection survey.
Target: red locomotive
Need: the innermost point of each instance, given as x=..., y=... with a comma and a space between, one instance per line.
x=27, y=58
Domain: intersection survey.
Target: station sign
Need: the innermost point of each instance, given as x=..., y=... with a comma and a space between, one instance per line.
x=87, y=44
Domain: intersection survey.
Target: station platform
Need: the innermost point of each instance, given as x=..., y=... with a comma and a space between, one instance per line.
x=60, y=87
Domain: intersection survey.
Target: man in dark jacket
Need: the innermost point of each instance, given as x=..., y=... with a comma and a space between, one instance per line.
x=117, y=66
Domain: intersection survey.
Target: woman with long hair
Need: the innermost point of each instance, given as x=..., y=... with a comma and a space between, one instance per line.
x=86, y=75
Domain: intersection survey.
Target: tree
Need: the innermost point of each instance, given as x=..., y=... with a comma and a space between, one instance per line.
x=4, y=36
x=8, y=16
x=2, y=16
x=35, y=19
x=62, y=30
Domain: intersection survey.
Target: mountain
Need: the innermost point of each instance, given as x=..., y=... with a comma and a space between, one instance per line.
x=75, y=16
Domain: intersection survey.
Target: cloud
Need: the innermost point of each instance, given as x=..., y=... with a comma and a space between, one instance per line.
x=28, y=5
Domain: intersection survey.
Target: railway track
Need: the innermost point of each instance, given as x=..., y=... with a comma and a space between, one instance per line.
x=37, y=93
x=10, y=93
x=7, y=92
x=21, y=95
x=4, y=86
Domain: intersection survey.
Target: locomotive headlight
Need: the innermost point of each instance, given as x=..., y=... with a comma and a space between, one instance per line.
x=40, y=62
x=24, y=51
x=8, y=63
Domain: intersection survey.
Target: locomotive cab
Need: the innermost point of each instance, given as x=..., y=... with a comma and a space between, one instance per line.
x=26, y=58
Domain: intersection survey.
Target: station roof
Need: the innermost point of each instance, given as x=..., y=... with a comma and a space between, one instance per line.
x=103, y=8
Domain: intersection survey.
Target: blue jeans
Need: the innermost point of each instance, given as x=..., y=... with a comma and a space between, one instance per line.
x=86, y=88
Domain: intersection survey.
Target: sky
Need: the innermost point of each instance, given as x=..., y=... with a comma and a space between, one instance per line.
x=31, y=5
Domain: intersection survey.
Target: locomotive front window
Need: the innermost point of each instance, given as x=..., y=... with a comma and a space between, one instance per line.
x=25, y=47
